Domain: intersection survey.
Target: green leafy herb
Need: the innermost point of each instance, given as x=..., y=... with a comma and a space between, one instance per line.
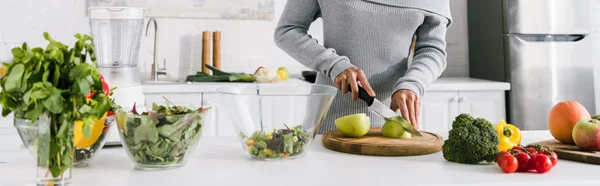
x=35, y=84
x=161, y=136
x=280, y=143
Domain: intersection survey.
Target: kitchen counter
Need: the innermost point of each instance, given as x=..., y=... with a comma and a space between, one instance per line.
x=220, y=161
x=442, y=84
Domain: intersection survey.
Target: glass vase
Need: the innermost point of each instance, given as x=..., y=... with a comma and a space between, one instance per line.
x=55, y=150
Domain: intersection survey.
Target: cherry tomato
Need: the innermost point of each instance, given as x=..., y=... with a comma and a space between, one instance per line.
x=501, y=154
x=524, y=161
x=553, y=157
x=531, y=163
x=518, y=147
x=542, y=163
x=508, y=164
x=531, y=151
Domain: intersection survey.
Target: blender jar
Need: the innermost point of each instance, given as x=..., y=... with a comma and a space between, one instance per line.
x=117, y=32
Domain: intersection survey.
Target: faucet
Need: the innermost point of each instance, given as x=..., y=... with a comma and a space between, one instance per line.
x=155, y=70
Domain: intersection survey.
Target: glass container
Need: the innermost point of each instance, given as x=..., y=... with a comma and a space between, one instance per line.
x=160, y=142
x=117, y=32
x=276, y=121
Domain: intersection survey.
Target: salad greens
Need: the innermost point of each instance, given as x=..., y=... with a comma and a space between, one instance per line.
x=162, y=136
x=55, y=81
x=280, y=143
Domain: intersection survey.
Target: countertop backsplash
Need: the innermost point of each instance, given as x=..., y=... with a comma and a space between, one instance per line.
x=245, y=44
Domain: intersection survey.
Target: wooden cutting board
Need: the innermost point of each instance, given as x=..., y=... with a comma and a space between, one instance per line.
x=374, y=144
x=572, y=152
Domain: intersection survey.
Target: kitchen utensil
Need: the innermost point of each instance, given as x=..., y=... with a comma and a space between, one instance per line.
x=155, y=142
x=28, y=131
x=263, y=113
x=117, y=33
x=217, y=49
x=205, y=51
x=384, y=111
x=571, y=152
x=374, y=144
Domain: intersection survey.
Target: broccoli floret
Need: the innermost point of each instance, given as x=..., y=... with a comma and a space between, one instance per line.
x=462, y=120
x=471, y=141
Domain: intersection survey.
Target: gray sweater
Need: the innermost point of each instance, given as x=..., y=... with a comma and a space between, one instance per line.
x=373, y=35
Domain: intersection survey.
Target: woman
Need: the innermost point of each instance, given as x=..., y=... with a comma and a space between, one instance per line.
x=367, y=43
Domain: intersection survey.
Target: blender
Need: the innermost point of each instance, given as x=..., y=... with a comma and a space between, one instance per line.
x=117, y=32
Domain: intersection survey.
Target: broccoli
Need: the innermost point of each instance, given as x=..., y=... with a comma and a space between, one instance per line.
x=471, y=141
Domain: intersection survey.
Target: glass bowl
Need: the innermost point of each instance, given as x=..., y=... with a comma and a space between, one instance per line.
x=276, y=121
x=85, y=148
x=160, y=142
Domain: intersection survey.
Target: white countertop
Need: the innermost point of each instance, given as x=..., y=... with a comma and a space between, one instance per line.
x=442, y=84
x=220, y=161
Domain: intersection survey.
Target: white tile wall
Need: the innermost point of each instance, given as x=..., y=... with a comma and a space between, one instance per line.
x=245, y=44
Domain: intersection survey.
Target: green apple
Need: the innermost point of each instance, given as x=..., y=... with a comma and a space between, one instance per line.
x=393, y=129
x=586, y=134
x=355, y=125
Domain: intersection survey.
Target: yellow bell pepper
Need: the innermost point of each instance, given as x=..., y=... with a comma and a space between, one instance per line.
x=508, y=135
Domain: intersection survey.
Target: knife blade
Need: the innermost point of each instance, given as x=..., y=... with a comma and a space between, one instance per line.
x=380, y=109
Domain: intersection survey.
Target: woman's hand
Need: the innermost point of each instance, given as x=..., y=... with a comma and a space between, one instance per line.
x=354, y=77
x=409, y=104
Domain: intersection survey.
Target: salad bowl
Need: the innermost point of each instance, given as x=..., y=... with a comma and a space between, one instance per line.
x=276, y=121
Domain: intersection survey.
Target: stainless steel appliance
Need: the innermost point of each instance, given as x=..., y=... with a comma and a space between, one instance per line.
x=543, y=48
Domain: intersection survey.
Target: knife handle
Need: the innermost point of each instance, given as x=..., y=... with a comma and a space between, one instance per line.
x=363, y=95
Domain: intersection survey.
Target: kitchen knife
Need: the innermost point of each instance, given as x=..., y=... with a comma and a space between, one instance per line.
x=380, y=109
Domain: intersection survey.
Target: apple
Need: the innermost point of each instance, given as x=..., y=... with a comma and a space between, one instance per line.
x=393, y=129
x=586, y=134
x=355, y=125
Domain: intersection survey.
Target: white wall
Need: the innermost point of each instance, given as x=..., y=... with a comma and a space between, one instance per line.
x=245, y=44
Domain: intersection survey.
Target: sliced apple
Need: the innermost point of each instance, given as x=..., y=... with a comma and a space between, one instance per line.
x=355, y=125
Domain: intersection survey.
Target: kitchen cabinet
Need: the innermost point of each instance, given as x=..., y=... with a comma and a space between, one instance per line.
x=439, y=108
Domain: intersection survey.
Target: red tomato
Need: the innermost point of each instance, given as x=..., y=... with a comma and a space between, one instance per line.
x=532, y=162
x=553, y=157
x=508, y=164
x=500, y=155
x=531, y=151
x=524, y=161
x=518, y=147
x=542, y=163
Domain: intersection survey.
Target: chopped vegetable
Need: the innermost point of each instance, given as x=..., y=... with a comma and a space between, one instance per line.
x=162, y=136
x=471, y=141
x=280, y=143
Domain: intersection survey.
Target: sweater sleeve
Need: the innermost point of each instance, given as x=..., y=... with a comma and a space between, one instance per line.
x=429, y=59
x=291, y=35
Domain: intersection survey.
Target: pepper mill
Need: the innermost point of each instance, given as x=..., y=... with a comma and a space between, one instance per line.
x=205, y=51
x=217, y=49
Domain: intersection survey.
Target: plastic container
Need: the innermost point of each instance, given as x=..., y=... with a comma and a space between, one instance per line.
x=276, y=121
